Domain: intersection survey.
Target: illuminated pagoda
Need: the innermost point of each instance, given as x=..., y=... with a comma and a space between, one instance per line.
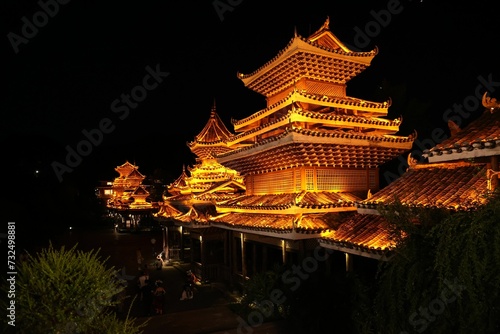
x=207, y=182
x=308, y=156
x=195, y=192
x=460, y=175
x=130, y=198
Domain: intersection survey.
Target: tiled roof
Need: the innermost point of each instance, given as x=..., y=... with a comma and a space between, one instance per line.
x=337, y=149
x=214, y=197
x=454, y=186
x=179, y=198
x=125, y=168
x=214, y=131
x=193, y=217
x=140, y=191
x=167, y=211
x=180, y=182
x=481, y=134
x=259, y=222
x=363, y=232
x=304, y=199
x=280, y=223
x=327, y=199
x=212, y=138
x=261, y=201
x=337, y=64
x=346, y=102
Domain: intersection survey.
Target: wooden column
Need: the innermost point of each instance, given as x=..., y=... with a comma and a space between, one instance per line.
x=181, y=244
x=349, y=262
x=202, y=250
x=202, y=258
x=283, y=250
x=243, y=257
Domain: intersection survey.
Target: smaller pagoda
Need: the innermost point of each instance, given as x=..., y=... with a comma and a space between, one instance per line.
x=129, y=201
x=201, y=186
x=192, y=197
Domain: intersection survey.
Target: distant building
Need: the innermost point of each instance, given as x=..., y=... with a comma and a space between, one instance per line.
x=129, y=200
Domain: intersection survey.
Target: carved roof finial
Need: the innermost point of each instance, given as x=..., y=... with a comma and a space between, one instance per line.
x=454, y=128
x=326, y=25
x=411, y=161
x=214, y=109
x=490, y=102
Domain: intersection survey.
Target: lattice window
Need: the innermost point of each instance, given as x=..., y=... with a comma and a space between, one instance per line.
x=341, y=180
x=298, y=180
x=273, y=183
x=309, y=179
x=249, y=184
x=373, y=176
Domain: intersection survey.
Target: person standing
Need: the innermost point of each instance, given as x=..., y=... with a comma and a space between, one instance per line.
x=159, y=297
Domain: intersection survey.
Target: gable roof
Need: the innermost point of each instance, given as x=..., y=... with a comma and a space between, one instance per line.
x=481, y=138
x=454, y=186
x=367, y=235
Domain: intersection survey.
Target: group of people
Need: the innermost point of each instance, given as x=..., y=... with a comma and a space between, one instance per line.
x=152, y=296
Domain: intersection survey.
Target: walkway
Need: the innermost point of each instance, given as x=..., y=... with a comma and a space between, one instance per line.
x=208, y=312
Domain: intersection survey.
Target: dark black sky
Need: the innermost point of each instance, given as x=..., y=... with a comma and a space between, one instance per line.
x=65, y=77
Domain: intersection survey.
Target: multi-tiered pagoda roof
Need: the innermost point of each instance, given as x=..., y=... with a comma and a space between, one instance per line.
x=321, y=63
x=129, y=193
x=309, y=120
x=207, y=182
x=313, y=151
x=212, y=138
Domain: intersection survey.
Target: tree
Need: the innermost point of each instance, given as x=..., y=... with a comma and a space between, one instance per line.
x=444, y=276
x=69, y=291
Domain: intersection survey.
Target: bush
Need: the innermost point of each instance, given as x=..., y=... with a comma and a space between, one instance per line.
x=68, y=291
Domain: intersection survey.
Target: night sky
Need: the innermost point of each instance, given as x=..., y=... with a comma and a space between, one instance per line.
x=70, y=73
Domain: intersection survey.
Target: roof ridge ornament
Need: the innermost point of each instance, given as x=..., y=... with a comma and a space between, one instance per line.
x=490, y=102
x=411, y=161
x=326, y=25
x=214, y=109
